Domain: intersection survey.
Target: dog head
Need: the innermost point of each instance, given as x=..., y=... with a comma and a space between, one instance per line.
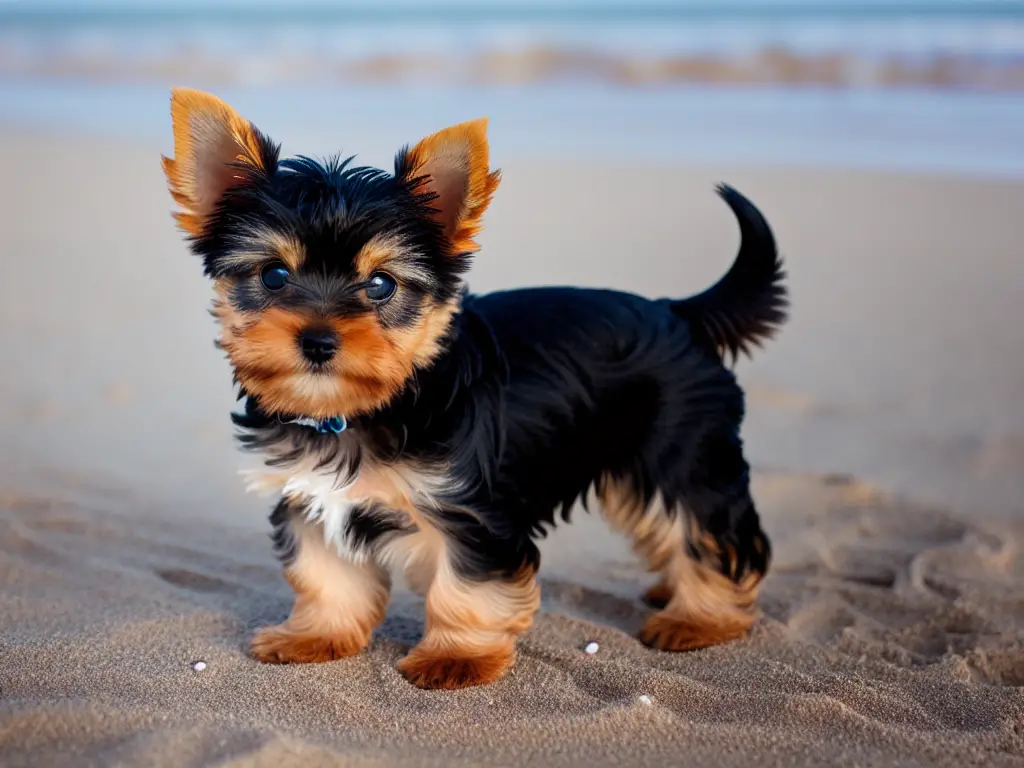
x=334, y=283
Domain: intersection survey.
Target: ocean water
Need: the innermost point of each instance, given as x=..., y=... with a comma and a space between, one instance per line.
x=983, y=28
x=105, y=68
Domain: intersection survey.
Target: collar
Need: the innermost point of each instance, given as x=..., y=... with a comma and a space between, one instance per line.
x=334, y=425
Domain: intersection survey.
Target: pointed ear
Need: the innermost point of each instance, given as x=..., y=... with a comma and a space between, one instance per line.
x=455, y=165
x=210, y=140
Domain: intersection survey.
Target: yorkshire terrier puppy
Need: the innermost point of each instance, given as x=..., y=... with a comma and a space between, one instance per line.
x=407, y=426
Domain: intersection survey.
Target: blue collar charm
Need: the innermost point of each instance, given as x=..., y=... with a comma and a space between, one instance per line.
x=335, y=425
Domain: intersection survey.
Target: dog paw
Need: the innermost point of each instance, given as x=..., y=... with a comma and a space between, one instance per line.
x=434, y=671
x=667, y=633
x=281, y=645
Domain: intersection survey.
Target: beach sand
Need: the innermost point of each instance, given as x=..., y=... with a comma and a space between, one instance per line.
x=885, y=429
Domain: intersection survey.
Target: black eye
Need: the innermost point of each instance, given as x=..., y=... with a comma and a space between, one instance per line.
x=380, y=287
x=274, y=276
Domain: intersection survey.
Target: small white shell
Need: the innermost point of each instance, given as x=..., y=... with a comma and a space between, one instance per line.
x=199, y=666
x=644, y=699
x=591, y=648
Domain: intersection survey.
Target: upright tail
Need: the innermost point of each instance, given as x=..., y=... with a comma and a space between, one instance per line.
x=748, y=305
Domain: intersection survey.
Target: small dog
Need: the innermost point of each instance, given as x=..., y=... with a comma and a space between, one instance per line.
x=406, y=425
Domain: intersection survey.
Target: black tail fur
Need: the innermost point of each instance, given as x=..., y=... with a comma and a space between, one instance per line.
x=748, y=305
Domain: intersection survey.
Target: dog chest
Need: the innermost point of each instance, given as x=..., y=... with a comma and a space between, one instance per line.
x=329, y=498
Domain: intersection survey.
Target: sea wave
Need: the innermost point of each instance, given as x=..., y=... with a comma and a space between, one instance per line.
x=529, y=65
x=961, y=44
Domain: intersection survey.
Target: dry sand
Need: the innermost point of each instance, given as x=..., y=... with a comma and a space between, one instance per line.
x=885, y=425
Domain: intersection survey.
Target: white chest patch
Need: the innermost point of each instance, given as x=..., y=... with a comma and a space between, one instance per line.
x=328, y=499
x=326, y=504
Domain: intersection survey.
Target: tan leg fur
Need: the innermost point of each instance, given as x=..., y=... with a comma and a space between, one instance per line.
x=471, y=629
x=702, y=606
x=338, y=604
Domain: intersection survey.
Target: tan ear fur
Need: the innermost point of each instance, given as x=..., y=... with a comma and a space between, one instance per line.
x=457, y=164
x=208, y=137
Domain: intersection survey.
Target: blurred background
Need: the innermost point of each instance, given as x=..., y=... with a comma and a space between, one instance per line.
x=884, y=140
x=917, y=84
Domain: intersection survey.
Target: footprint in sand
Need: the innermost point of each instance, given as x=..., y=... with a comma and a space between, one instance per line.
x=195, y=581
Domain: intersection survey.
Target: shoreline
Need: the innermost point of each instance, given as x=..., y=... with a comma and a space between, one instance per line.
x=767, y=65
x=937, y=133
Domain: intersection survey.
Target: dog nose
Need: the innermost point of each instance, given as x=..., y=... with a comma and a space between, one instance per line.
x=318, y=344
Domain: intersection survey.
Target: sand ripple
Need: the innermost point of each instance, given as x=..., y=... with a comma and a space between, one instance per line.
x=892, y=633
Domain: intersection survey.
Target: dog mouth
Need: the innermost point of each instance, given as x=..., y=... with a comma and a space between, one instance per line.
x=319, y=370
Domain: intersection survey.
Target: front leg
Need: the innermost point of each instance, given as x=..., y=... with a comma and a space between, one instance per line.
x=338, y=602
x=483, y=595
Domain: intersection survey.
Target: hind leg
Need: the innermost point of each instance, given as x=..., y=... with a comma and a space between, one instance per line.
x=710, y=553
x=707, y=603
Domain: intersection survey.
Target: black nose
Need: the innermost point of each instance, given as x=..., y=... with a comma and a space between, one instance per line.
x=318, y=344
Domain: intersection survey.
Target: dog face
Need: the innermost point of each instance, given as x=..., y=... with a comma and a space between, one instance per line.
x=333, y=282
